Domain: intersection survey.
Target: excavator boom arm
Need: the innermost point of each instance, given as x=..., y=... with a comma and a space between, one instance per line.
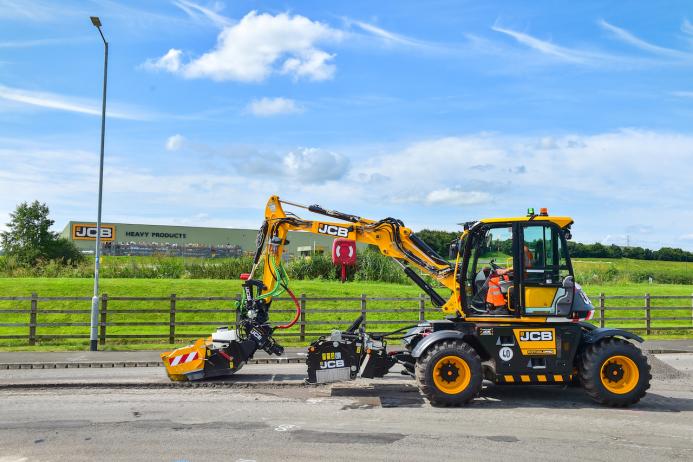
x=390, y=236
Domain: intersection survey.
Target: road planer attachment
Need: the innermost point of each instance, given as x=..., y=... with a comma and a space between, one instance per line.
x=227, y=350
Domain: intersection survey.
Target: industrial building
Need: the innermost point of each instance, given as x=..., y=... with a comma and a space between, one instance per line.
x=140, y=239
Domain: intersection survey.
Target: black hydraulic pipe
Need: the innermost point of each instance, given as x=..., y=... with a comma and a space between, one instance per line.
x=425, y=286
x=425, y=248
x=334, y=214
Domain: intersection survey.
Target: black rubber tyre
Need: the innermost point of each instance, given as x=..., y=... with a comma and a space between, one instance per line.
x=601, y=359
x=454, y=358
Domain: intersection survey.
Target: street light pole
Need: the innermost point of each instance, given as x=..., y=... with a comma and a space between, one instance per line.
x=93, y=335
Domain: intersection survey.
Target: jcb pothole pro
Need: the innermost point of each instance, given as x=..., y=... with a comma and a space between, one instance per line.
x=515, y=315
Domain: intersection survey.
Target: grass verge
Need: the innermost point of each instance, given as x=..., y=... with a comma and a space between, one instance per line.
x=330, y=313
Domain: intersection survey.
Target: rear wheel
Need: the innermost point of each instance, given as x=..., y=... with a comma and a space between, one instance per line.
x=449, y=373
x=614, y=372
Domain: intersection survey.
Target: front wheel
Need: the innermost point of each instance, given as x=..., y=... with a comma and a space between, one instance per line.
x=449, y=373
x=614, y=372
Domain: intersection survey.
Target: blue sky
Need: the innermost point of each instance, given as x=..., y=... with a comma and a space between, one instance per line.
x=435, y=114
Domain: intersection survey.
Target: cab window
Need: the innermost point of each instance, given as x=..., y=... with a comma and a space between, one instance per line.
x=544, y=256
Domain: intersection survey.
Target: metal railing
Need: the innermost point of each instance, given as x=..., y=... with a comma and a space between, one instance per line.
x=36, y=318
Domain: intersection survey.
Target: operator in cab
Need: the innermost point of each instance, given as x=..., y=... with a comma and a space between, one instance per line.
x=496, y=297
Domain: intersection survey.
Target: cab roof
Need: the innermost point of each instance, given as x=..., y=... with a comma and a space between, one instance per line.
x=562, y=222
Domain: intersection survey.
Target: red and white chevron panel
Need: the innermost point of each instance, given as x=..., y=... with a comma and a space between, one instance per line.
x=182, y=359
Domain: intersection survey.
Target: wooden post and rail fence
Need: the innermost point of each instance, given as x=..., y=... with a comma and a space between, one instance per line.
x=29, y=320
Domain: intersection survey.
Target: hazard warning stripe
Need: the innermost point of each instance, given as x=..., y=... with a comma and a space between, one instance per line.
x=534, y=378
x=186, y=358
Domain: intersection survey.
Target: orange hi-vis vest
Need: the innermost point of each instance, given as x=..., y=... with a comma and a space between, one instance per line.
x=494, y=296
x=528, y=257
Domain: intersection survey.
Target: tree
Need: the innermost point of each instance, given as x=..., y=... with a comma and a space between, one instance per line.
x=29, y=238
x=438, y=240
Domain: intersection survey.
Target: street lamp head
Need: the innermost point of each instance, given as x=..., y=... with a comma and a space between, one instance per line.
x=95, y=21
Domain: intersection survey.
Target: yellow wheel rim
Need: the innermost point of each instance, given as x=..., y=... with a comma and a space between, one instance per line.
x=451, y=375
x=619, y=374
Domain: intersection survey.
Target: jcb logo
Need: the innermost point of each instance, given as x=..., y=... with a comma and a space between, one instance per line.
x=536, y=342
x=536, y=336
x=256, y=334
x=333, y=230
x=332, y=364
x=84, y=232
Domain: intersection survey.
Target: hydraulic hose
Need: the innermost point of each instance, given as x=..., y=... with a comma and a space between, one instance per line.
x=298, y=309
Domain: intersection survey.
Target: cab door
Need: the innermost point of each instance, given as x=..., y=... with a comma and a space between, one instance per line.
x=488, y=247
x=544, y=266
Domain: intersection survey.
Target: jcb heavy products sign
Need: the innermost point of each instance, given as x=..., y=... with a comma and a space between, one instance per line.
x=538, y=341
x=87, y=232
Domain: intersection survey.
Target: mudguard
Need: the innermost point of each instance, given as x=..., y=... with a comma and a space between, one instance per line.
x=594, y=335
x=435, y=337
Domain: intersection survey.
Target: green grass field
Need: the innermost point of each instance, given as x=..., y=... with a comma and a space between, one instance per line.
x=328, y=312
x=619, y=270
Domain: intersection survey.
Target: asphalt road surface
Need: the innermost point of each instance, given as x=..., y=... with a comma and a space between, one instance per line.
x=363, y=420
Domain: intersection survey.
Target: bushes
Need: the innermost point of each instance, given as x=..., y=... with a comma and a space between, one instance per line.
x=11, y=267
x=374, y=266
x=315, y=267
x=371, y=266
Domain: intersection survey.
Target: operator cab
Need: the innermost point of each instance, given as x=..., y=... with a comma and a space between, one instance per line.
x=517, y=267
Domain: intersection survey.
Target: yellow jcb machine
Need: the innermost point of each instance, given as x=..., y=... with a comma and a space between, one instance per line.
x=515, y=314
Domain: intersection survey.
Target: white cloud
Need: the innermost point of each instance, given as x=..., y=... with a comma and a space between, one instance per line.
x=169, y=62
x=195, y=11
x=596, y=57
x=315, y=165
x=32, y=10
x=265, y=107
x=687, y=27
x=627, y=37
x=312, y=64
x=258, y=46
x=547, y=48
x=450, y=196
x=41, y=42
x=175, y=142
x=303, y=165
x=64, y=103
x=605, y=180
x=393, y=38
x=610, y=183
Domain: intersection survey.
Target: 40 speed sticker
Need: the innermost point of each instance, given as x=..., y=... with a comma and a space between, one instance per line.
x=505, y=353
